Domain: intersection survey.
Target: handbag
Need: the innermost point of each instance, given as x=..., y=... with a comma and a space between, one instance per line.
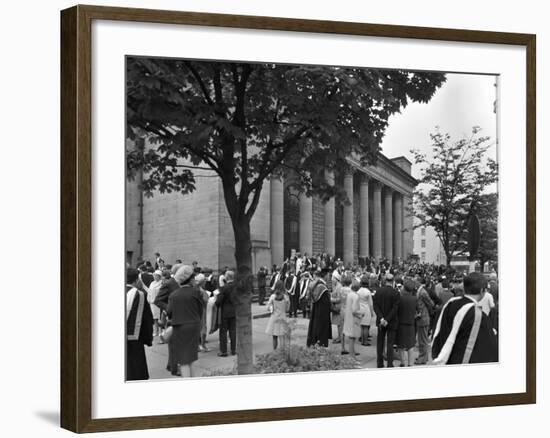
x=167, y=334
x=163, y=320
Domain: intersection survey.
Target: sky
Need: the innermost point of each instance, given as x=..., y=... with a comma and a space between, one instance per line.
x=463, y=101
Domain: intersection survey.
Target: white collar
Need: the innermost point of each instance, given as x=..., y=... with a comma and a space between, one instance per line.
x=471, y=297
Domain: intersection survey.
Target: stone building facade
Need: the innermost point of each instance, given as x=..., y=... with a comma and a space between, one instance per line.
x=377, y=222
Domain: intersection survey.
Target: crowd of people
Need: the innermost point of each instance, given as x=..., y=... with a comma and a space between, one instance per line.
x=403, y=300
x=403, y=304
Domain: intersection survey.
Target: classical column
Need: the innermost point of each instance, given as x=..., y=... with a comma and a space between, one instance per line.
x=388, y=223
x=330, y=231
x=306, y=224
x=348, y=219
x=277, y=221
x=364, y=217
x=407, y=226
x=398, y=226
x=377, y=221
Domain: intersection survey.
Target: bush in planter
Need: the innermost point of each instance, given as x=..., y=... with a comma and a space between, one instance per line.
x=303, y=359
x=297, y=359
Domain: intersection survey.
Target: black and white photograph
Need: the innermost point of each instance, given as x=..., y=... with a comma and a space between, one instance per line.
x=290, y=218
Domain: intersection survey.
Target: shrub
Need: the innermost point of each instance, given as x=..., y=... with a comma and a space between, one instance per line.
x=297, y=359
x=303, y=359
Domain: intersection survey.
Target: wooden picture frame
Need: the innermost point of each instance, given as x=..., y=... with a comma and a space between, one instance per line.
x=76, y=217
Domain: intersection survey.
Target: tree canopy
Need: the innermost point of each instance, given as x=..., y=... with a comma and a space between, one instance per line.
x=454, y=183
x=246, y=121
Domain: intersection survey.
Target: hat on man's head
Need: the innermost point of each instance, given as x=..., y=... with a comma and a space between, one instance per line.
x=183, y=274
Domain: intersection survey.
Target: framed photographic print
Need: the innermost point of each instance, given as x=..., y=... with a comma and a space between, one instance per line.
x=293, y=208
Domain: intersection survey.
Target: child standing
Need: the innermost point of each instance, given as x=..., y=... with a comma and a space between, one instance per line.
x=278, y=305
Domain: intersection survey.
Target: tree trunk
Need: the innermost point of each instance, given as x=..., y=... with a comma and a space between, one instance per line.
x=448, y=256
x=243, y=296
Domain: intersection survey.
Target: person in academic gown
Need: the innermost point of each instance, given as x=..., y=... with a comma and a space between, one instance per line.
x=275, y=276
x=139, y=328
x=320, y=328
x=464, y=333
x=303, y=289
x=291, y=287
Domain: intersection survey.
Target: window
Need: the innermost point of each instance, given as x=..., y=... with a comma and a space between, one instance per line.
x=423, y=256
x=293, y=231
x=423, y=243
x=423, y=231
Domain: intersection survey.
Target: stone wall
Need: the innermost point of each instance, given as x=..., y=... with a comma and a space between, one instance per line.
x=132, y=219
x=183, y=226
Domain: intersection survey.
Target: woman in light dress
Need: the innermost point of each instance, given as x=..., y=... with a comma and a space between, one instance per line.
x=337, y=303
x=278, y=305
x=343, y=292
x=152, y=293
x=352, y=315
x=200, y=282
x=367, y=307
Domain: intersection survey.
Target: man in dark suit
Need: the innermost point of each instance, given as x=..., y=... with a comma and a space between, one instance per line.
x=224, y=300
x=291, y=283
x=145, y=276
x=386, y=303
x=169, y=285
x=262, y=279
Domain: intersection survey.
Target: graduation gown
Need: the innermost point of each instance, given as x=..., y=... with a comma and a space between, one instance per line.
x=291, y=283
x=319, y=330
x=139, y=332
x=274, y=278
x=453, y=330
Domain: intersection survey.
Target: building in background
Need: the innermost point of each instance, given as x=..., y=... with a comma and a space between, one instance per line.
x=197, y=226
x=428, y=247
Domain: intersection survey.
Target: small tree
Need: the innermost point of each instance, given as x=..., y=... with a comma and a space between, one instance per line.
x=454, y=177
x=487, y=212
x=247, y=122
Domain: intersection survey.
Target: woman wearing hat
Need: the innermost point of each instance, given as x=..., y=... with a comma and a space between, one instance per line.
x=185, y=308
x=365, y=302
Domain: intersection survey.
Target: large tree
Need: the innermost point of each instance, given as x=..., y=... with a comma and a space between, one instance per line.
x=454, y=183
x=248, y=122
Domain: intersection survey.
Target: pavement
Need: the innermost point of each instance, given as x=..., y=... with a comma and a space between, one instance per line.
x=157, y=355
